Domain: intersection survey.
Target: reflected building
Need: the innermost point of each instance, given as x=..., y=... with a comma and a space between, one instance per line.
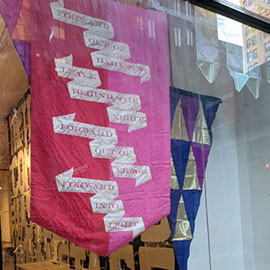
x=182, y=41
x=256, y=43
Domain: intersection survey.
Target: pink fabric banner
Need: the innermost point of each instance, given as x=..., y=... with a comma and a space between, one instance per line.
x=100, y=121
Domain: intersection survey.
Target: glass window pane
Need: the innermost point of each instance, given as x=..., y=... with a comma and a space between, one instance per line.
x=255, y=53
x=249, y=57
x=254, y=38
x=267, y=47
x=248, y=43
x=222, y=170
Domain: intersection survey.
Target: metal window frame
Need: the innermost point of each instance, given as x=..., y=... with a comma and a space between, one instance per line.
x=235, y=12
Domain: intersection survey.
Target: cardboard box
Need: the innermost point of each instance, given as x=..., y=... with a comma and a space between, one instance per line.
x=94, y=262
x=156, y=258
x=121, y=258
x=157, y=233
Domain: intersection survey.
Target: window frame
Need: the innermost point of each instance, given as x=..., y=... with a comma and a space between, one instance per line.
x=235, y=12
x=249, y=57
x=254, y=40
x=255, y=53
x=267, y=46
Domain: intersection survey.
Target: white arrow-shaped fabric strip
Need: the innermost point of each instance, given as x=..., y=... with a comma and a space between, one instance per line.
x=83, y=87
x=114, y=224
x=67, y=183
x=83, y=76
x=108, y=47
x=135, y=120
x=97, y=26
x=103, y=202
x=110, y=62
x=65, y=124
x=105, y=205
x=142, y=174
x=124, y=159
x=110, y=54
x=104, y=146
x=114, y=220
x=125, y=155
x=124, y=101
x=124, y=109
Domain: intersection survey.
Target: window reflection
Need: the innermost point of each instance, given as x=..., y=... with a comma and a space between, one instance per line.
x=261, y=7
x=254, y=40
x=249, y=57
x=267, y=47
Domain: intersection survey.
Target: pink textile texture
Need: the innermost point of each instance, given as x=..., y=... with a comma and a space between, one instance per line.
x=100, y=121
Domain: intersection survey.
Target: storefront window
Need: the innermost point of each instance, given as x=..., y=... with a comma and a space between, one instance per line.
x=107, y=68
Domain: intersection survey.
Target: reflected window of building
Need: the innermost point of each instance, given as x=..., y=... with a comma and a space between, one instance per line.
x=248, y=3
x=249, y=57
x=255, y=65
x=189, y=37
x=178, y=36
x=260, y=7
x=250, y=68
x=248, y=43
x=58, y=32
x=255, y=53
x=254, y=40
x=247, y=31
x=267, y=60
x=267, y=47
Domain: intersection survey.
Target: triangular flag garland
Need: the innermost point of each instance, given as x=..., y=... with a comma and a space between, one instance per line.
x=189, y=160
x=235, y=65
x=174, y=182
x=16, y=14
x=254, y=82
x=200, y=133
x=179, y=130
x=182, y=231
x=207, y=46
x=191, y=181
